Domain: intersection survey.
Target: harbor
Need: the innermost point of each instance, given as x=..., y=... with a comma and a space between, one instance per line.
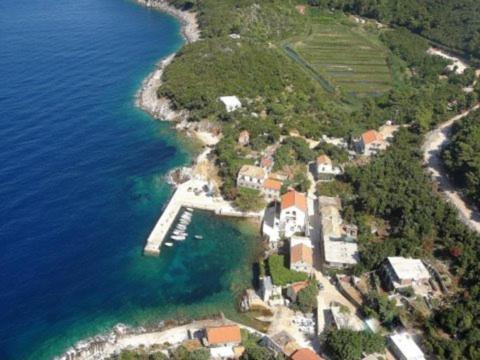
x=192, y=194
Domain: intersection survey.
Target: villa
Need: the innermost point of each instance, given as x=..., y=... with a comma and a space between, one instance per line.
x=251, y=177
x=325, y=168
x=370, y=143
x=301, y=254
x=293, y=213
x=225, y=335
x=271, y=189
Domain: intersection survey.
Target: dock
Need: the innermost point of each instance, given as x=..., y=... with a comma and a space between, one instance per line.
x=190, y=194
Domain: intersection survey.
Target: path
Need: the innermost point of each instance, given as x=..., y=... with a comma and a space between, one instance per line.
x=435, y=141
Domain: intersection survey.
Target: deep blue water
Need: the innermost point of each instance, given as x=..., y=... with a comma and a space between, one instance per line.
x=81, y=180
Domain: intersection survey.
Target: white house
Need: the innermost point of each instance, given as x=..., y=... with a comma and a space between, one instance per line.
x=231, y=103
x=293, y=213
x=403, y=272
x=370, y=143
x=251, y=177
x=301, y=254
x=271, y=189
x=325, y=167
x=404, y=347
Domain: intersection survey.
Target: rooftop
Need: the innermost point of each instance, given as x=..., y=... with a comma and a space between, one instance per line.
x=223, y=334
x=231, y=101
x=272, y=184
x=296, y=287
x=407, y=346
x=252, y=171
x=324, y=160
x=371, y=136
x=407, y=268
x=301, y=252
x=294, y=198
x=305, y=354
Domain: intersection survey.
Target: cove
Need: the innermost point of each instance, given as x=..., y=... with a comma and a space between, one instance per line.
x=82, y=182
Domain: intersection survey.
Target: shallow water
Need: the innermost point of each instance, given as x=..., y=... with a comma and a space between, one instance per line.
x=82, y=181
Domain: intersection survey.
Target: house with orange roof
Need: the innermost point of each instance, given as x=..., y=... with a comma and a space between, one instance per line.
x=293, y=213
x=301, y=254
x=305, y=354
x=294, y=289
x=224, y=335
x=244, y=138
x=271, y=189
x=325, y=168
x=370, y=143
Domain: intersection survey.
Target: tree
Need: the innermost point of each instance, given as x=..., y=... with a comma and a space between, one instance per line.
x=249, y=200
x=307, y=297
x=345, y=344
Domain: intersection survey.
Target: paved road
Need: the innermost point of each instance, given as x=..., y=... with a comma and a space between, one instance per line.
x=435, y=141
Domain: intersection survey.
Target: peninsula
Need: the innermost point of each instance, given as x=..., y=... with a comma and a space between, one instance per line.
x=312, y=116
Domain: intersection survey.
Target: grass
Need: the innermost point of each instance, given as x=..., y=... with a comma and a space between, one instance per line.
x=342, y=56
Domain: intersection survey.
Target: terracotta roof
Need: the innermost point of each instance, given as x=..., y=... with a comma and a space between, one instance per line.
x=223, y=334
x=305, y=354
x=252, y=171
x=371, y=136
x=266, y=162
x=294, y=198
x=324, y=159
x=296, y=287
x=272, y=184
x=301, y=252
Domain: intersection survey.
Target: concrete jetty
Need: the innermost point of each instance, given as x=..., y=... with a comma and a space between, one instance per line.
x=191, y=194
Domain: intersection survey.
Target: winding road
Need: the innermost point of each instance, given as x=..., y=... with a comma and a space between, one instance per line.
x=435, y=141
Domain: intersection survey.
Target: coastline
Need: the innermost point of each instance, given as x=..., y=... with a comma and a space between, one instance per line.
x=146, y=98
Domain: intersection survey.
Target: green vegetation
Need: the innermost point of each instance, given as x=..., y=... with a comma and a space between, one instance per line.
x=461, y=157
x=253, y=350
x=249, y=200
x=453, y=23
x=280, y=273
x=351, y=345
x=380, y=307
x=345, y=55
x=138, y=355
x=307, y=297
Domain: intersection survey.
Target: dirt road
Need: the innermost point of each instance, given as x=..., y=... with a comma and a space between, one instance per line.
x=435, y=141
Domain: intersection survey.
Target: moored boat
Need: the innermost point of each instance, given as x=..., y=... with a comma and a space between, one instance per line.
x=199, y=237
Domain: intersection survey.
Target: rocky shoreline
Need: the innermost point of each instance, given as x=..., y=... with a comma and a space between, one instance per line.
x=146, y=98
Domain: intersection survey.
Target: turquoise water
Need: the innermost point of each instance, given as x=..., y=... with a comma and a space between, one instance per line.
x=82, y=182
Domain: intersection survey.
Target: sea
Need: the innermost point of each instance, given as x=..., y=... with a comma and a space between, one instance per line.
x=82, y=182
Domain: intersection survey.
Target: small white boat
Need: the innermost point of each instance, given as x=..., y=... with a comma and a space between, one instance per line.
x=181, y=227
x=189, y=209
x=179, y=232
x=199, y=237
x=169, y=244
x=178, y=237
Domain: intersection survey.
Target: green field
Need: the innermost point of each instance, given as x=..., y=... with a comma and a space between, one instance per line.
x=342, y=56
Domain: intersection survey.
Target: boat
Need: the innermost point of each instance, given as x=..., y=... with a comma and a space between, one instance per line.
x=169, y=244
x=199, y=237
x=179, y=232
x=178, y=237
x=181, y=227
x=189, y=209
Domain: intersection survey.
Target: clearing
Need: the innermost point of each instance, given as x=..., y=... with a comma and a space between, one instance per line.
x=342, y=55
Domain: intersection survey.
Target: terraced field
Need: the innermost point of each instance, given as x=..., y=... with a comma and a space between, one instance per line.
x=343, y=56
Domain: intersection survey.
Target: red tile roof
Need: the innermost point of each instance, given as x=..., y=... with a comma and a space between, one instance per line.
x=272, y=184
x=371, y=136
x=296, y=287
x=223, y=334
x=301, y=252
x=294, y=198
x=324, y=159
x=305, y=354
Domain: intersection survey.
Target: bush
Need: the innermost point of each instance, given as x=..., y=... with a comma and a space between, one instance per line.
x=281, y=275
x=350, y=345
